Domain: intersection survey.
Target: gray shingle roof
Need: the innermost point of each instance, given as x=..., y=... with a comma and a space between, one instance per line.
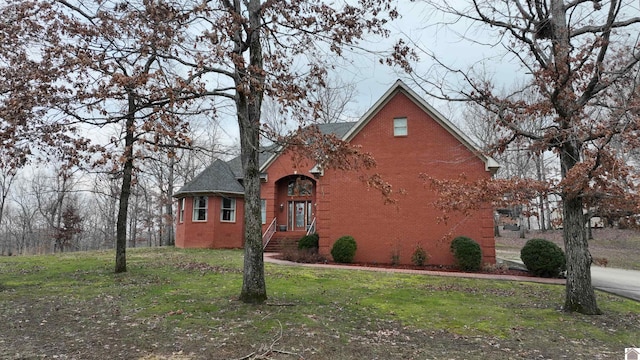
x=222, y=177
x=216, y=178
x=339, y=129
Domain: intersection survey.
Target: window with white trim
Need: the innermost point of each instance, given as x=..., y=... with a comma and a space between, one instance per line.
x=228, y=210
x=200, y=208
x=181, y=210
x=400, y=127
x=263, y=210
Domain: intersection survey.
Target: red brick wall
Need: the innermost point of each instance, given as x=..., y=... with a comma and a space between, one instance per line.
x=212, y=233
x=347, y=207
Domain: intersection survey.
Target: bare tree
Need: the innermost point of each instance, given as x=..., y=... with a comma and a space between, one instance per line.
x=583, y=60
x=332, y=101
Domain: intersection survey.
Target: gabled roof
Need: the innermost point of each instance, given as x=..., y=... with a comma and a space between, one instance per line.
x=264, y=156
x=222, y=177
x=339, y=129
x=399, y=86
x=216, y=178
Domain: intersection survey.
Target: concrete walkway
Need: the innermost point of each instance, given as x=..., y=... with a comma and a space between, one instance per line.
x=621, y=282
x=270, y=258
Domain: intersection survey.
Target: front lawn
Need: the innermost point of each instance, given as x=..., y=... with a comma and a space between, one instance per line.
x=182, y=304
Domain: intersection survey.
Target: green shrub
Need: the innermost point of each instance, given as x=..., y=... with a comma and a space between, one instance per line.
x=309, y=241
x=419, y=257
x=543, y=258
x=467, y=253
x=344, y=249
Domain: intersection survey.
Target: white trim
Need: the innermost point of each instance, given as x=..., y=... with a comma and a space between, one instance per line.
x=491, y=164
x=400, y=129
x=231, y=209
x=206, y=209
x=181, y=203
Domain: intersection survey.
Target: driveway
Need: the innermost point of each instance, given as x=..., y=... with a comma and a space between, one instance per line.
x=617, y=281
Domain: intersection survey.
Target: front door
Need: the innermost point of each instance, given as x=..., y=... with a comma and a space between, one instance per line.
x=299, y=215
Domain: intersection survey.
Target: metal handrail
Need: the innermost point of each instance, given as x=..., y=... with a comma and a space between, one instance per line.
x=312, y=227
x=268, y=234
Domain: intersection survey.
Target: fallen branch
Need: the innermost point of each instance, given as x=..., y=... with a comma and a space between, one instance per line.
x=271, y=350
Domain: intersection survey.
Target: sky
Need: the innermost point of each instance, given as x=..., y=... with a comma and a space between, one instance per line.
x=372, y=79
x=428, y=34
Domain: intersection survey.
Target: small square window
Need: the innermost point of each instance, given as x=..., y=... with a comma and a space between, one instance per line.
x=400, y=127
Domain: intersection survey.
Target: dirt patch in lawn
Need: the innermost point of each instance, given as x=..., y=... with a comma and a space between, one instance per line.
x=101, y=330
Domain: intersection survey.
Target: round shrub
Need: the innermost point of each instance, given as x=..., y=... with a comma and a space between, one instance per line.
x=419, y=257
x=344, y=249
x=309, y=241
x=467, y=253
x=543, y=258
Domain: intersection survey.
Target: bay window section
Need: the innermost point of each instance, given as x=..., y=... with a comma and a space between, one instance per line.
x=200, y=208
x=228, y=210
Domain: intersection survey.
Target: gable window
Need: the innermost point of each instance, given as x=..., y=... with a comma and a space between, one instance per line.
x=200, y=208
x=263, y=210
x=181, y=210
x=400, y=127
x=228, y=210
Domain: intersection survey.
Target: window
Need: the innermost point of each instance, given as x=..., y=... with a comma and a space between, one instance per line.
x=263, y=210
x=400, y=127
x=300, y=187
x=228, y=210
x=200, y=208
x=181, y=210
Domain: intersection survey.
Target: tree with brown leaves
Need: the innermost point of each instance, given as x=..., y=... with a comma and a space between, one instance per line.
x=283, y=50
x=583, y=58
x=96, y=65
x=136, y=64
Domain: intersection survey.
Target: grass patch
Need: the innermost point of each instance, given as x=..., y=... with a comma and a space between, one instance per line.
x=183, y=304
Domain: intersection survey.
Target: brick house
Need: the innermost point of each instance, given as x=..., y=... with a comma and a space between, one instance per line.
x=405, y=135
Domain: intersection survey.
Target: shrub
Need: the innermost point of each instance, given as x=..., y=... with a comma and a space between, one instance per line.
x=419, y=257
x=344, y=249
x=543, y=258
x=309, y=241
x=467, y=253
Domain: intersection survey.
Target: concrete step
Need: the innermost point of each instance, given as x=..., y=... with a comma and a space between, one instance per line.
x=280, y=243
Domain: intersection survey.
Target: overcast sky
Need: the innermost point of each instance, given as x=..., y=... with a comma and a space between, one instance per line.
x=426, y=31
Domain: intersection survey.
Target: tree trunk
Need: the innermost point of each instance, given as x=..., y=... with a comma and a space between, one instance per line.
x=580, y=295
x=250, y=85
x=540, y=177
x=125, y=190
x=168, y=238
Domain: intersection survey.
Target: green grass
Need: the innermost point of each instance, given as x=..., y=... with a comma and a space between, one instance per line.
x=192, y=295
